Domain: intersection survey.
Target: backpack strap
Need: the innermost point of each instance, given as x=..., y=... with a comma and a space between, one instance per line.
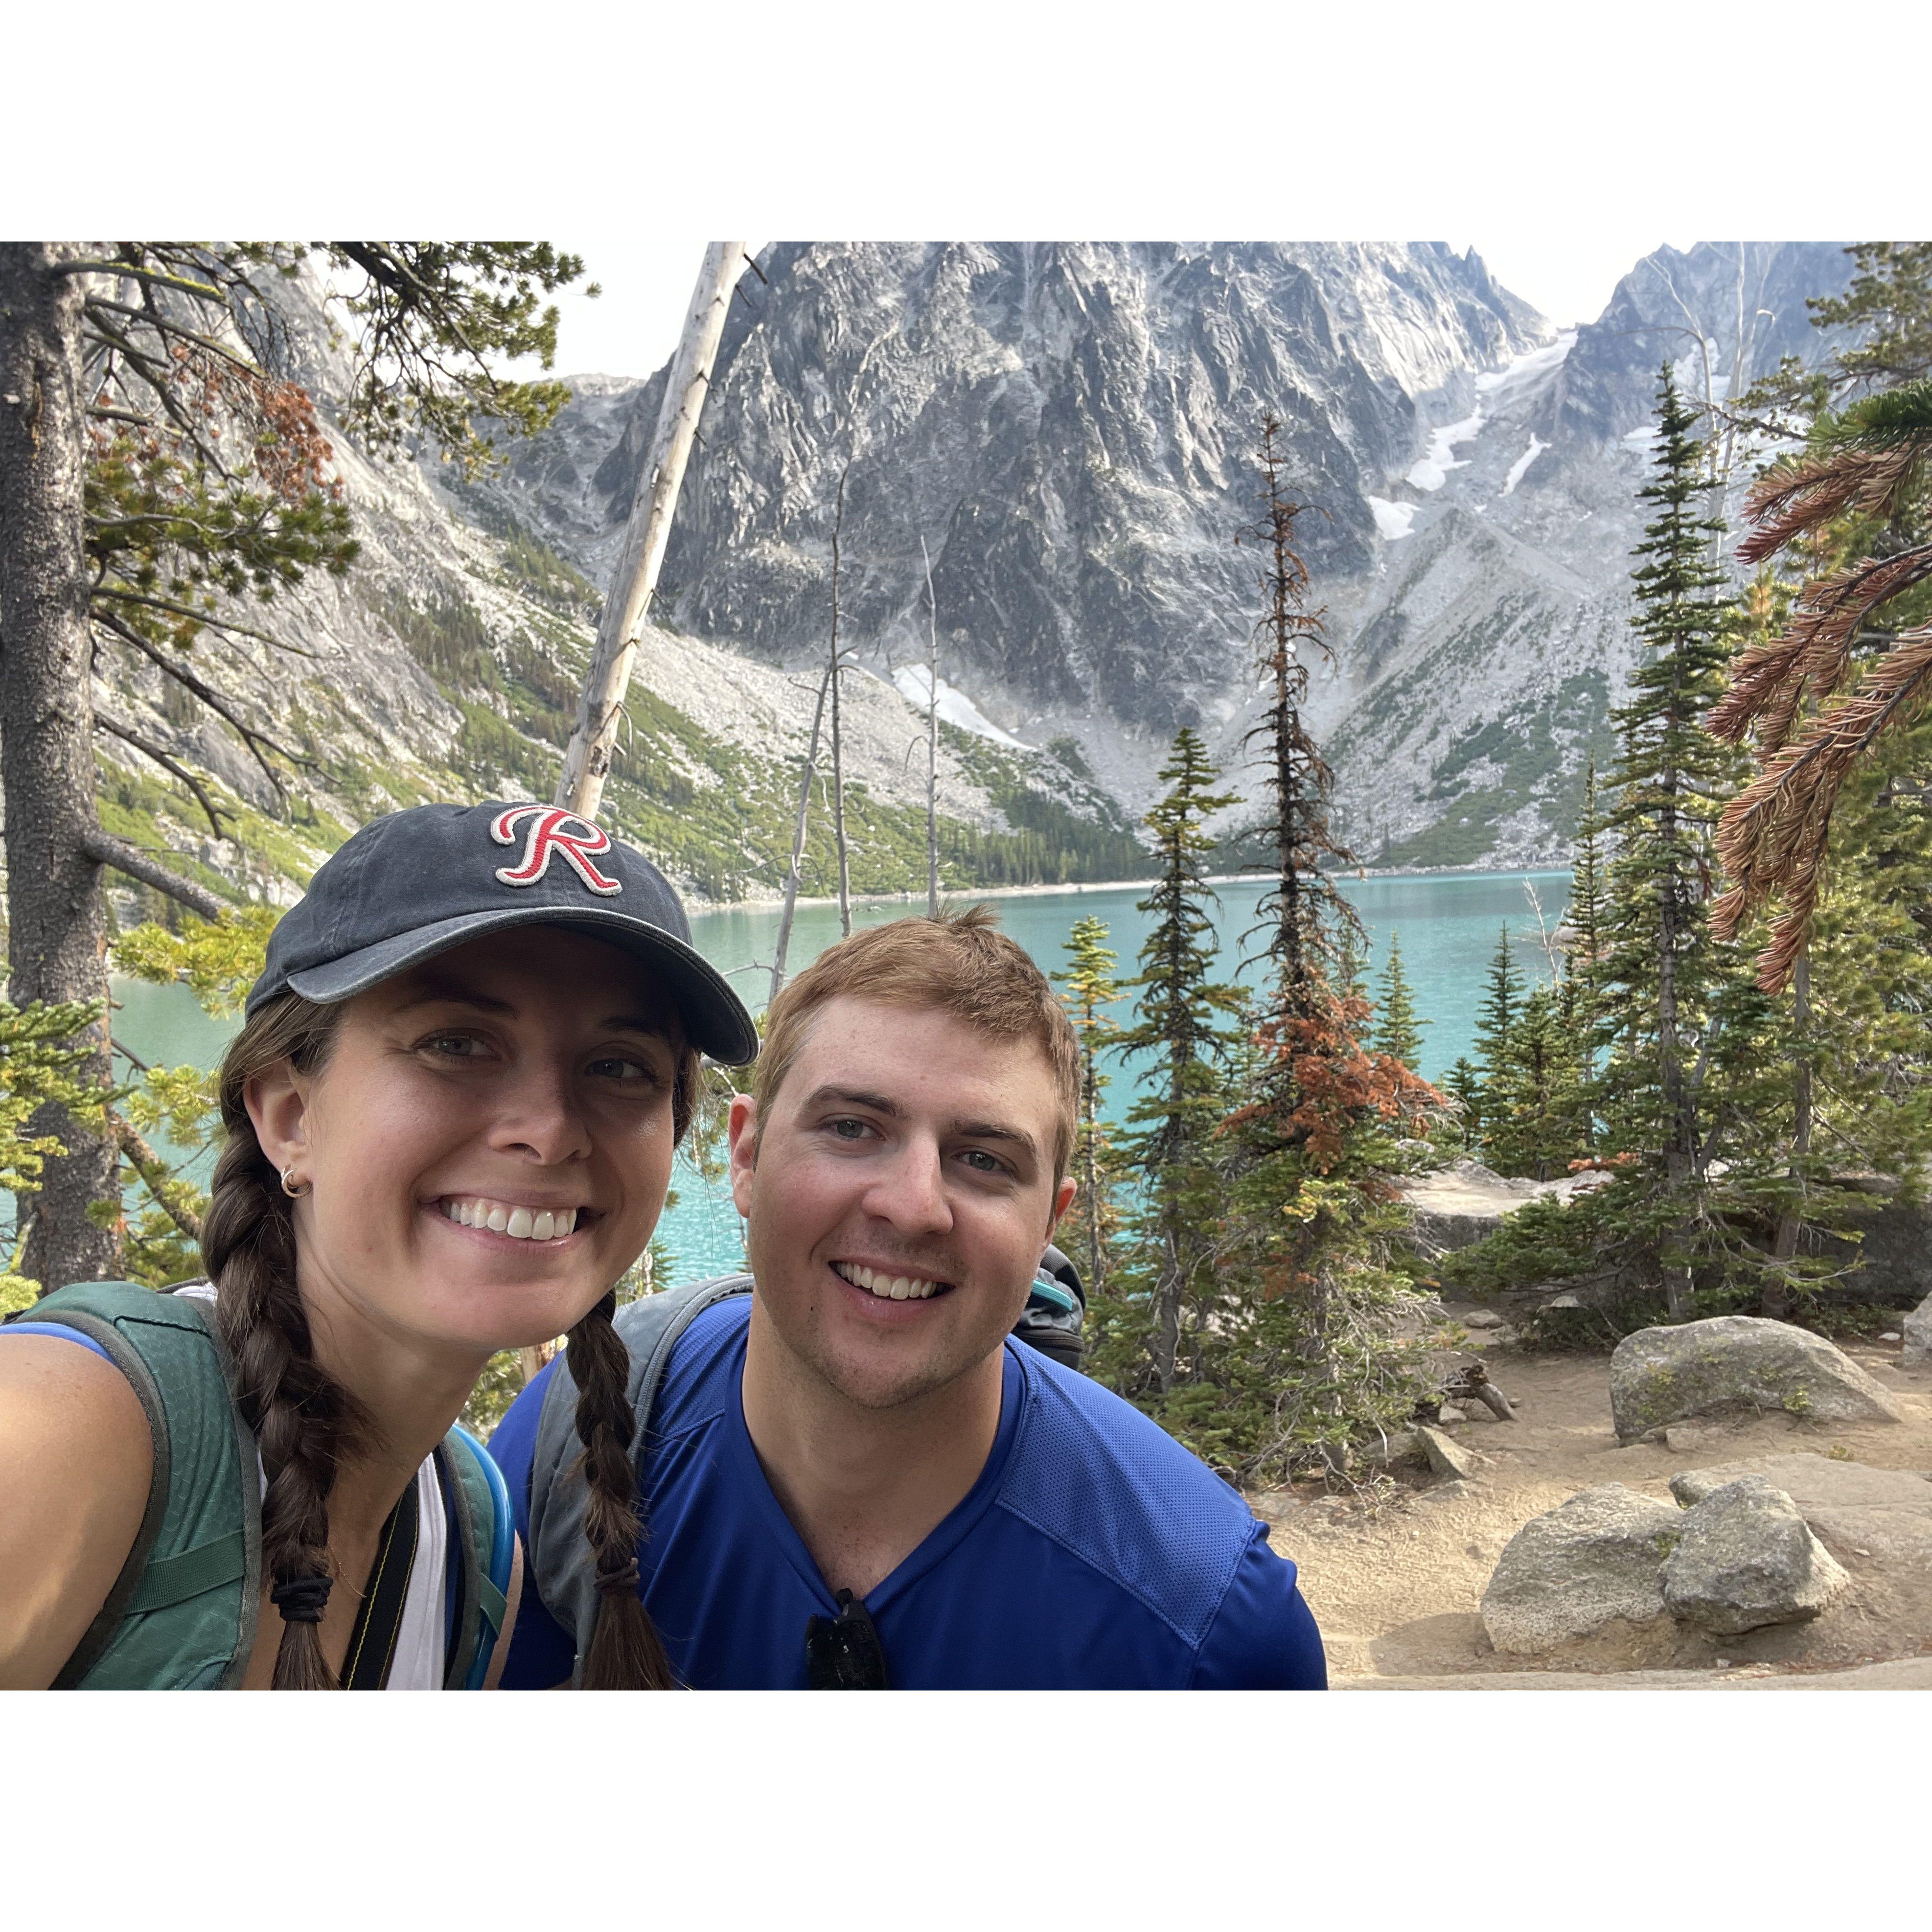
x=560, y=1556
x=181, y=1614
x=486, y=1552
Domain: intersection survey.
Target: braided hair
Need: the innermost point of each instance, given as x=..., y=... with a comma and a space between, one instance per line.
x=306, y=1423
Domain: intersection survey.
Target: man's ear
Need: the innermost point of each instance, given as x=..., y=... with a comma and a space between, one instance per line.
x=1063, y=1199
x=743, y=1131
x=277, y=1103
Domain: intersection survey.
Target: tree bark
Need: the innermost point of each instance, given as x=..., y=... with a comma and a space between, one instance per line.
x=586, y=758
x=57, y=940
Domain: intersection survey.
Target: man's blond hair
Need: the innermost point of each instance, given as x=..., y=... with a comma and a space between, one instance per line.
x=961, y=964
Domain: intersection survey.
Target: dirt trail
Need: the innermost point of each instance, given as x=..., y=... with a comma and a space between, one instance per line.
x=1396, y=1585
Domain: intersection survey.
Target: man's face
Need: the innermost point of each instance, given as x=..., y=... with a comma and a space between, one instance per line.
x=906, y=1150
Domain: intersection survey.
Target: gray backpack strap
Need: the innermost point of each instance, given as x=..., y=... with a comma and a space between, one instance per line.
x=559, y=1558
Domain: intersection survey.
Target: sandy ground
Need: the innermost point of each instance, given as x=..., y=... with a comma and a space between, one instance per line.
x=1395, y=1582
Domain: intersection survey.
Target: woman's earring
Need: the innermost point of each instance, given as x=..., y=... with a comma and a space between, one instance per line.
x=289, y=1185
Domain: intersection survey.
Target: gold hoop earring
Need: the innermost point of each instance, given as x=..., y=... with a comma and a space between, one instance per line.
x=289, y=1187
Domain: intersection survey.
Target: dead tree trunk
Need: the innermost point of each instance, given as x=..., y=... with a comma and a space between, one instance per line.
x=931, y=741
x=58, y=936
x=587, y=759
x=798, y=843
x=838, y=744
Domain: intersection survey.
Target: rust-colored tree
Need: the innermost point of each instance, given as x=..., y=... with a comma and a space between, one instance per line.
x=1312, y=1204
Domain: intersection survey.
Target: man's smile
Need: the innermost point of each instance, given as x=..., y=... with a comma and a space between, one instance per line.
x=887, y=1286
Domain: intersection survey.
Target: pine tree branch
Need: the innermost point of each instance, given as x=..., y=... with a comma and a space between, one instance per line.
x=199, y=289
x=209, y=695
x=105, y=721
x=163, y=1189
x=104, y=849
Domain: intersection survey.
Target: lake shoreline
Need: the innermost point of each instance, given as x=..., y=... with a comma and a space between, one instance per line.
x=966, y=895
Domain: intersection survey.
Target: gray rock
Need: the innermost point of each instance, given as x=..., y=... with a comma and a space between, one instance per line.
x=1685, y=1436
x=1391, y=1448
x=1915, y=1334
x=1734, y=1363
x=1446, y=1458
x=1813, y=1482
x=1584, y=1579
x=1449, y=1413
x=1482, y=1318
x=1745, y=1559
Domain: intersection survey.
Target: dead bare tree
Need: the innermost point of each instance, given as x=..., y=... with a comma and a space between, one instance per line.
x=796, y=867
x=931, y=740
x=586, y=758
x=833, y=667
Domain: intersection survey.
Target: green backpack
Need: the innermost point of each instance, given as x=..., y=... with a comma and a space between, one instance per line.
x=181, y=1614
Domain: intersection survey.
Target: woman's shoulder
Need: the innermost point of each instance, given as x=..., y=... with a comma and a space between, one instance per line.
x=76, y=1462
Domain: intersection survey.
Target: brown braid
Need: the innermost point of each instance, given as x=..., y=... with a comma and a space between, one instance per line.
x=304, y=1421
x=625, y=1652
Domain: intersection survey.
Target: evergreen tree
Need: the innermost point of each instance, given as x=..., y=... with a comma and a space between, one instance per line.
x=1398, y=1032
x=1463, y=1084
x=1584, y=918
x=1302, y=1341
x=1181, y=1025
x=1660, y=973
x=1351, y=962
x=1502, y=1007
x=1091, y=989
x=170, y=476
x=1534, y=1111
x=1305, y=915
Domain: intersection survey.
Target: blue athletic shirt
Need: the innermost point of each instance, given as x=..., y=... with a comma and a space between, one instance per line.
x=1092, y=1553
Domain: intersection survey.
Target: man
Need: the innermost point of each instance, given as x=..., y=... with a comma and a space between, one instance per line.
x=852, y=1477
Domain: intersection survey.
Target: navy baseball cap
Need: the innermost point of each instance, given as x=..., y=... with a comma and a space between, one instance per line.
x=413, y=884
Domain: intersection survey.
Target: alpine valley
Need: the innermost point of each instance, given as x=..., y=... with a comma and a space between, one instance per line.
x=1068, y=429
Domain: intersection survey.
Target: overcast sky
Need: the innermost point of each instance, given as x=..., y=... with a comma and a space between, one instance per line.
x=632, y=329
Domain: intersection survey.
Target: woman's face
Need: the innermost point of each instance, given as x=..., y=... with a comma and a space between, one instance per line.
x=488, y=1146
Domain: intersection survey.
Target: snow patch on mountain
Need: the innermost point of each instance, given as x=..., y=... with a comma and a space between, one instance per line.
x=1392, y=519
x=1519, y=468
x=1431, y=471
x=915, y=685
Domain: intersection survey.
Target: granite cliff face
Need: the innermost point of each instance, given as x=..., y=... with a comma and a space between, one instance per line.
x=1481, y=651
x=447, y=663
x=1069, y=429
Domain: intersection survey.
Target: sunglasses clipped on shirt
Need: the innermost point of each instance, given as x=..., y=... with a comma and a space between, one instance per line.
x=844, y=1653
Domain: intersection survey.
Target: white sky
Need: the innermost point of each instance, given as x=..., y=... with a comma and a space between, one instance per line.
x=631, y=329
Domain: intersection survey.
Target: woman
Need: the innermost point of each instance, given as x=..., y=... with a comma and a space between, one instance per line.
x=451, y=1114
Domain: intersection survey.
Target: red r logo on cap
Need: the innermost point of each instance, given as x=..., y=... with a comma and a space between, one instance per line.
x=549, y=833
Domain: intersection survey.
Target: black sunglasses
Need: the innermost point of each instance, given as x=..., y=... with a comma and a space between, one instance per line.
x=844, y=1653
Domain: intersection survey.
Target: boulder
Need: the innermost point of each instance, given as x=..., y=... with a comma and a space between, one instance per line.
x=1915, y=1334
x=1481, y=1318
x=1583, y=1582
x=1462, y=1204
x=1446, y=1458
x=1813, y=1482
x=1745, y=1559
x=1733, y=1363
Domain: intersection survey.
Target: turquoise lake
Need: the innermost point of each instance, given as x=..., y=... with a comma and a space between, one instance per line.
x=1448, y=924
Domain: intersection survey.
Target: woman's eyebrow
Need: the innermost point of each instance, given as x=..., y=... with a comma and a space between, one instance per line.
x=452, y=996
x=635, y=1023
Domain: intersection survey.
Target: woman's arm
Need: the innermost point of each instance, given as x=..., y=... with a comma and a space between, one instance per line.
x=76, y=1462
